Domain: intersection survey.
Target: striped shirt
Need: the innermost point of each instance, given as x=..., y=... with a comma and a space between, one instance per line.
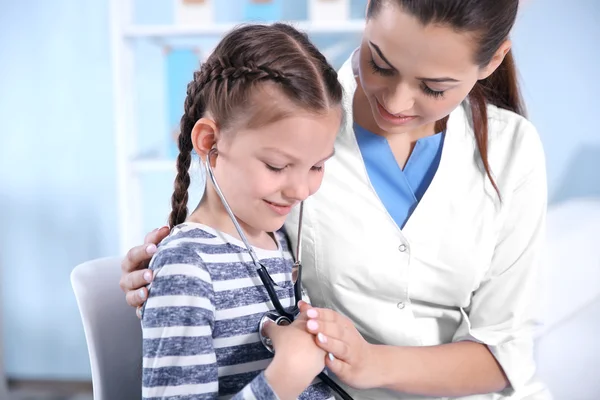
x=200, y=322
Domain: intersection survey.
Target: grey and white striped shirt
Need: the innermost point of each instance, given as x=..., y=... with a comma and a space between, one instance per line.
x=200, y=322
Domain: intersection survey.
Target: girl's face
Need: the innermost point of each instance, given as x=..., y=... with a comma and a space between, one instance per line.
x=266, y=171
x=413, y=75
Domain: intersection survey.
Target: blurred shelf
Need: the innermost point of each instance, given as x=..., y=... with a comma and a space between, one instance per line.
x=153, y=165
x=174, y=31
x=135, y=165
x=143, y=165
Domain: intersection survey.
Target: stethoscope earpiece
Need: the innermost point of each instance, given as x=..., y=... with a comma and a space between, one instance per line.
x=213, y=152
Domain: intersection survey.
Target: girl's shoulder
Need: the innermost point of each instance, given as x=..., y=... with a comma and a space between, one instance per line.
x=187, y=243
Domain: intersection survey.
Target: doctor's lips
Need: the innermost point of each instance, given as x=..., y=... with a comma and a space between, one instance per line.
x=396, y=119
x=281, y=209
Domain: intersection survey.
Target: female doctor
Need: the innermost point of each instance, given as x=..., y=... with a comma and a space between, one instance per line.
x=421, y=246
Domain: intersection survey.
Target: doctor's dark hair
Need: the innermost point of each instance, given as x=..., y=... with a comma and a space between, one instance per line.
x=490, y=22
x=227, y=88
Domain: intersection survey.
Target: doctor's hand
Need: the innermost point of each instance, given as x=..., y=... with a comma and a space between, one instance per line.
x=350, y=355
x=134, y=273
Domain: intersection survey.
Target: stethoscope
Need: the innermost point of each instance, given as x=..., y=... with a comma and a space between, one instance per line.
x=281, y=315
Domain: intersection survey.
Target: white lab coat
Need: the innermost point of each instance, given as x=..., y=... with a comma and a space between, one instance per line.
x=465, y=265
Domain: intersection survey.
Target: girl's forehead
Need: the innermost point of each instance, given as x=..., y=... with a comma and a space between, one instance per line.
x=297, y=134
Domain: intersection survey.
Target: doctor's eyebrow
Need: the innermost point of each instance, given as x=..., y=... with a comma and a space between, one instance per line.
x=438, y=80
x=380, y=54
x=444, y=79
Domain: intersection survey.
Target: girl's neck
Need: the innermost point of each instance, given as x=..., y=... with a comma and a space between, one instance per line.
x=211, y=212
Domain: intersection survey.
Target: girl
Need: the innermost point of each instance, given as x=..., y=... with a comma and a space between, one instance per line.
x=263, y=111
x=421, y=246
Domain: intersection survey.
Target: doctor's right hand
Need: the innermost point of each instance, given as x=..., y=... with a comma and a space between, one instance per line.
x=134, y=273
x=297, y=361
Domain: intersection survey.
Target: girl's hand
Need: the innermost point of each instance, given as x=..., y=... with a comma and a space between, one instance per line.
x=350, y=355
x=297, y=359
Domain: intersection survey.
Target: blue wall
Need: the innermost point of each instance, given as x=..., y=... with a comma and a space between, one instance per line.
x=58, y=197
x=58, y=181
x=557, y=50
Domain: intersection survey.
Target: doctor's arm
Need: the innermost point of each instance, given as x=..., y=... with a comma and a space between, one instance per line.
x=454, y=369
x=492, y=350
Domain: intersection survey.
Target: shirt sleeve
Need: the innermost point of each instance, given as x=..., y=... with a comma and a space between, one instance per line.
x=505, y=308
x=179, y=359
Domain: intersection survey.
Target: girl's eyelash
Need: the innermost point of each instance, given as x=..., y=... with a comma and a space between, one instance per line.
x=278, y=170
x=432, y=93
x=381, y=71
x=274, y=169
x=389, y=72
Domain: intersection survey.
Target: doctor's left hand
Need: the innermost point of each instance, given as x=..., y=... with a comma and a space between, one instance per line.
x=351, y=356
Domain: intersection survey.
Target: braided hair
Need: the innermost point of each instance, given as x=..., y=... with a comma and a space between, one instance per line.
x=246, y=58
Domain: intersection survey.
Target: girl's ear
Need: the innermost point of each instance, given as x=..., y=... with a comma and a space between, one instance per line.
x=204, y=136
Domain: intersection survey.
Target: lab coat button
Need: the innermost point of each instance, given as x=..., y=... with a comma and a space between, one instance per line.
x=402, y=247
x=401, y=305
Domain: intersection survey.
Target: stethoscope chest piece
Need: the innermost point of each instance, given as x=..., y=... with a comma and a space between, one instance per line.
x=274, y=318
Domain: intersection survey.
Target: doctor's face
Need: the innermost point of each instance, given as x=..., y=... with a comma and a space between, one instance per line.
x=413, y=75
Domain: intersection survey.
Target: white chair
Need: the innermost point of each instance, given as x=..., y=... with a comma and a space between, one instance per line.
x=112, y=330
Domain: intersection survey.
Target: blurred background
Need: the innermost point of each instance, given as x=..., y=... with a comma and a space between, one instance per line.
x=90, y=95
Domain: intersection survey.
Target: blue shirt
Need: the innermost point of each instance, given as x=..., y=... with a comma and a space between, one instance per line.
x=400, y=190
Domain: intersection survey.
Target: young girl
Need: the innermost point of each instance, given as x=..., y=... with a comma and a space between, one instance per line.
x=264, y=111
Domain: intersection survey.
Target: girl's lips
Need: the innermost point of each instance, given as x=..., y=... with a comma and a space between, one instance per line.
x=280, y=209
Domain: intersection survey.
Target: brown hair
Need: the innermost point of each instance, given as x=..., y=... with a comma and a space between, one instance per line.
x=491, y=21
x=245, y=60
